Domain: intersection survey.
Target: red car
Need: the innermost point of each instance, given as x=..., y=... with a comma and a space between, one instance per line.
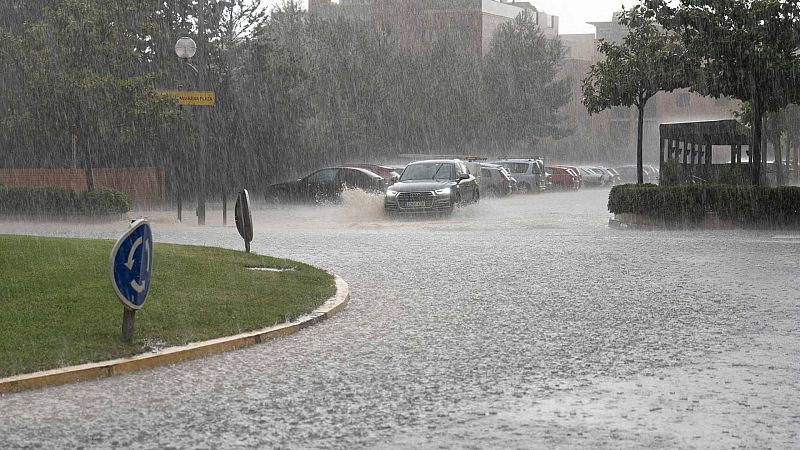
x=575, y=171
x=563, y=178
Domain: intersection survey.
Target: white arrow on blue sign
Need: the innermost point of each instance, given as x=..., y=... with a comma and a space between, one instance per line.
x=131, y=264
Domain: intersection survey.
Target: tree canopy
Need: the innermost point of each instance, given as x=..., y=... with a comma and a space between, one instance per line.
x=647, y=61
x=521, y=79
x=294, y=91
x=745, y=49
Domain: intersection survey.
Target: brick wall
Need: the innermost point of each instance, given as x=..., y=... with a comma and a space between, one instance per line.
x=144, y=185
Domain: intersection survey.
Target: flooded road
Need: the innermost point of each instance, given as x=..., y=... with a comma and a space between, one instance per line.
x=517, y=323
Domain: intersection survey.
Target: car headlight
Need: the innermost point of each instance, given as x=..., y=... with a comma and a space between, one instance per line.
x=445, y=191
x=391, y=193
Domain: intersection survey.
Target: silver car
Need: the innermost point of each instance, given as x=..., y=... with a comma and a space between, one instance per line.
x=529, y=173
x=432, y=186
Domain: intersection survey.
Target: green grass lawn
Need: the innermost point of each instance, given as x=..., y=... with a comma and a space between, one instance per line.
x=57, y=306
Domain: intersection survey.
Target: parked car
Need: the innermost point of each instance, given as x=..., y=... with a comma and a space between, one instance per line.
x=610, y=176
x=592, y=177
x=652, y=173
x=628, y=174
x=325, y=185
x=548, y=176
x=387, y=172
x=495, y=180
x=563, y=178
x=575, y=171
x=432, y=186
x=529, y=173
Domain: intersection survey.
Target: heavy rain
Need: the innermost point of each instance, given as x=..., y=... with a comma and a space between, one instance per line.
x=561, y=226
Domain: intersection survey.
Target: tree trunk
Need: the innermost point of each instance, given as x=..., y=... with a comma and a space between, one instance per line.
x=639, y=135
x=778, y=161
x=797, y=163
x=757, y=131
x=87, y=165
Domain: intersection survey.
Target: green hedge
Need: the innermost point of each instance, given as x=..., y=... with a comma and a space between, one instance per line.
x=52, y=201
x=688, y=203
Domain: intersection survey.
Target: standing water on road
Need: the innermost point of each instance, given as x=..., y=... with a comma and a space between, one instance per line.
x=519, y=322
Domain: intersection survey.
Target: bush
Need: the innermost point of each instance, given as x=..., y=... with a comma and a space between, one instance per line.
x=733, y=174
x=672, y=173
x=59, y=201
x=689, y=203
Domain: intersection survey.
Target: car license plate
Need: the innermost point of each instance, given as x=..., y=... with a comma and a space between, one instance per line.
x=414, y=204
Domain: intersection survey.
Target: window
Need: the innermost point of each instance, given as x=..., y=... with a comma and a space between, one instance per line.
x=430, y=35
x=620, y=112
x=428, y=171
x=515, y=167
x=354, y=178
x=322, y=176
x=486, y=173
x=682, y=100
x=650, y=108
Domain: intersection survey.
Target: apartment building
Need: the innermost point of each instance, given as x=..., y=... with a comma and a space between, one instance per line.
x=419, y=22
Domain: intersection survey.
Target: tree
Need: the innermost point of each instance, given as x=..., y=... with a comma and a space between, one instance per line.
x=747, y=52
x=647, y=61
x=792, y=116
x=84, y=65
x=524, y=93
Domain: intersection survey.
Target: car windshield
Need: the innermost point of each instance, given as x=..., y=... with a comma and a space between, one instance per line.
x=516, y=167
x=428, y=171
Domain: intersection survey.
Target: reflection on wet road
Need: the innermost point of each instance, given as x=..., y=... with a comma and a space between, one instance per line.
x=521, y=322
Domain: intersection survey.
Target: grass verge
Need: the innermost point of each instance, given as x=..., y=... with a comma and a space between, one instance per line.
x=57, y=306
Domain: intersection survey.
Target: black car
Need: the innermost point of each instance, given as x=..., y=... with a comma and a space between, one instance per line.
x=325, y=185
x=432, y=186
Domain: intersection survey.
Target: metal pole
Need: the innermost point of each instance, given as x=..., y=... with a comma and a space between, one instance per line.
x=201, y=194
x=224, y=209
x=128, y=321
x=74, y=151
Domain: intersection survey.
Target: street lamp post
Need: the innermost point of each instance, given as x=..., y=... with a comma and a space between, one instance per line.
x=185, y=49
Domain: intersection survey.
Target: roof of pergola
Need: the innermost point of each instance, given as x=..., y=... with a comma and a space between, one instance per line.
x=713, y=132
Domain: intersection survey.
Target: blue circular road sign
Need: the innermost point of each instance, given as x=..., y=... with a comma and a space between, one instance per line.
x=131, y=264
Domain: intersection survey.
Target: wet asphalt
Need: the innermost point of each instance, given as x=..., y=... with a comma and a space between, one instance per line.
x=523, y=322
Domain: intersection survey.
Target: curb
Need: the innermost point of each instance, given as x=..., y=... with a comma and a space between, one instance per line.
x=172, y=355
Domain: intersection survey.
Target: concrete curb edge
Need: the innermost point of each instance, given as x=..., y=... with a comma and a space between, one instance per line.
x=172, y=355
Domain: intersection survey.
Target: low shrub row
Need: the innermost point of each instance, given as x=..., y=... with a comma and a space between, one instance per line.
x=754, y=205
x=59, y=201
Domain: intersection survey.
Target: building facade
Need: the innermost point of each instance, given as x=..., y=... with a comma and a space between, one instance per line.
x=418, y=23
x=620, y=123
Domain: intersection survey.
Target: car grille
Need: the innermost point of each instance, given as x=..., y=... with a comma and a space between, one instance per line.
x=412, y=200
x=418, y=202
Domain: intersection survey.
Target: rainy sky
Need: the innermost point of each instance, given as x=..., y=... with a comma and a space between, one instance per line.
x=573, y=14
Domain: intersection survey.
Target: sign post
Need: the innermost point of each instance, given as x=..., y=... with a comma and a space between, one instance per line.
x=130, y=266
x=244, y=220
x=192, y=98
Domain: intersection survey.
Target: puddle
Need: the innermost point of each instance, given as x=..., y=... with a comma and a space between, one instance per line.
x=273, y=269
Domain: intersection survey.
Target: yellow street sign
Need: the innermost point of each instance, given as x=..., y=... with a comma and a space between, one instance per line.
x=192, y=98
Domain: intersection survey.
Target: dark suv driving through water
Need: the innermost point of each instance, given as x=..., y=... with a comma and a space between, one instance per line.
x=432, y=186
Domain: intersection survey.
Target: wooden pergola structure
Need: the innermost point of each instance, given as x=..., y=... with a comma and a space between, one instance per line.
x=691, y=142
